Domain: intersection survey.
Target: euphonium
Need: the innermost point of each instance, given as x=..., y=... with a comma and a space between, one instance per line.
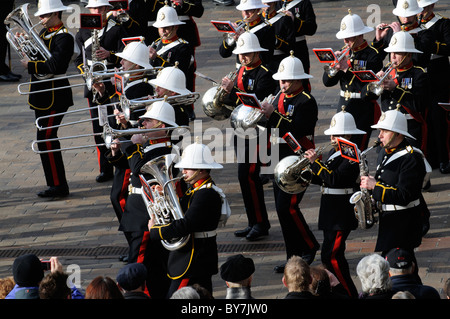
x=375, y=87
x=330, y=68
x=28, y=43
x=213, y=101
x=164, y=208
x=293, y=173
x=365, y=207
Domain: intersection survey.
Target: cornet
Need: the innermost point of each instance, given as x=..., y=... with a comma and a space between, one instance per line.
x=229, y=37
x=330, y=69
x=376, y=87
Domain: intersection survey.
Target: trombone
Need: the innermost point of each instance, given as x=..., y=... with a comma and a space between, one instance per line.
x=91, y=77
x=375, y=87
x=108, y=134
x=330, y=68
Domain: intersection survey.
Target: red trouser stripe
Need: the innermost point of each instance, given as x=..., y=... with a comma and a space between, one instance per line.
x=298, y=222
x=335, y=264
x=254, y=193
x=124, y=190
x=51, y=157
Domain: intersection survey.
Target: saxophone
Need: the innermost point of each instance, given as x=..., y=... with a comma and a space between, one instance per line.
x=365, y=206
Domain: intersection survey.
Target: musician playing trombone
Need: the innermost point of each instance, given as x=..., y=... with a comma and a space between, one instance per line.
x=134, y=223
x=337, y=177
x=61, y=46
x=197, y=261
x=293, y=110
x=359, y=55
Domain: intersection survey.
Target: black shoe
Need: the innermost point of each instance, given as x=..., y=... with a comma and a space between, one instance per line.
x=279, y=269
x=8, y=78
x=224, y=2
x=243, y=232
x=427, y=186
x=309, y=256
x=256, y=233
x=55, y=191
x=104, y=177
x=19, y=76
x=444, y=168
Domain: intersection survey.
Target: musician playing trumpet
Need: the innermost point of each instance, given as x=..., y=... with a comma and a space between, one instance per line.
x=293, y=110
x=337, y=177
x=359, y=55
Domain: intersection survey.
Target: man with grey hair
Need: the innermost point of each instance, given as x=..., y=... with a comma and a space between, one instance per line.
x=373, y=272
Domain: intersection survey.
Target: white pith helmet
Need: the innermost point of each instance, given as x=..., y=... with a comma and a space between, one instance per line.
x=291, y=68
x=406, y=8
x=250, y=5
x=172, y=79
x=395, y=121
x=351, y=26
x=343, y=123
x=425, y=3
x=98, y=3
x=50, y=6
x=247, y=43
x=166, y=17
x=402, y=41
x=197, y=156
x=161, y=111
x=136, y=52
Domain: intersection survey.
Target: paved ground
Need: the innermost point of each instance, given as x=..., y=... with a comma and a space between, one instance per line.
x=82, y=229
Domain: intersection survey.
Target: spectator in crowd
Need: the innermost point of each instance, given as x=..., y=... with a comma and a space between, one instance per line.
x=187, y=292
x=297, y=279
x=103, y=288
x=402, y=275
x=403, y=295
x=237, y=272
x=6, y=285
x=325, y=285
x=27, y=273
x=373, y=272
x=131, y=280
x=447, y=289
x=54, y=286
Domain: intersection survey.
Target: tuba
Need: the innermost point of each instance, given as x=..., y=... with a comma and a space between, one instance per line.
x=164, y=207
x=28, y=43
x=293, y=173
x=213, y=101
x=365, y=206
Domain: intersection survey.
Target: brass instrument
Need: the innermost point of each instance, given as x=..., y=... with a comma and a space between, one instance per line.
x=375, y=87
x=108, y=134
x=164, y=208
x=365, y=206
x=27, y=43
x=213, y=101
x=229, y=37
x=293, y=173
x=330, y=69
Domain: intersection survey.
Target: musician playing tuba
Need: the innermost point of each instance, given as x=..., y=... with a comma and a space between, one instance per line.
x=293, y=110
x=197, y=261
x=337, y=177
x=50, y=101
x=142, y=149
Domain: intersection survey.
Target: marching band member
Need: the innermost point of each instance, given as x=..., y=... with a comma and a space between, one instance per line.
x=197, y=261
x=252, y=21
x=294, y=110
x=302, y=13
x=171, y=81
x=284, y=35
x=407, y=87
x=252, y=77
x=144, y=148
x=60, y=43
x=170, y=48
x=337, y=177
x=438, y=70
x=110, y=42
x=406, y=12
x=359, y=56
x=397, y=186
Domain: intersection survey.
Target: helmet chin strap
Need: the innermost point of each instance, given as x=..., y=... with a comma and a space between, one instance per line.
x=189, y=179
x=387, y=145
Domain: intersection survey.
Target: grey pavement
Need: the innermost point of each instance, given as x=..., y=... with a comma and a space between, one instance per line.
x=82, y=229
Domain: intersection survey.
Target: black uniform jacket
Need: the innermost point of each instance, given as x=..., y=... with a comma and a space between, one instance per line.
x=180, y=52
x=202, y=209
x=266, y=38
x=61, y=45
x=399, y=182
x=110, y=39
x=256, y=79
x=364, y=57
x=297, y=114
x=336, y=212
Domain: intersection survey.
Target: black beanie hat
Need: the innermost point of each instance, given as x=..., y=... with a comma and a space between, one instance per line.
x=27, y=271
x=237, y=268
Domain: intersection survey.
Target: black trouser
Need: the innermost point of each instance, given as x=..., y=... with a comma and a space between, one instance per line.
x=52, y=163
x=333, y=257
x=298, y=237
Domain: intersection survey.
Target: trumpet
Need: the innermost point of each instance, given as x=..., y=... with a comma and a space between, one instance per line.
x=108, y=134
x=330, y=69
x=229, y=37
x=375, y=87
